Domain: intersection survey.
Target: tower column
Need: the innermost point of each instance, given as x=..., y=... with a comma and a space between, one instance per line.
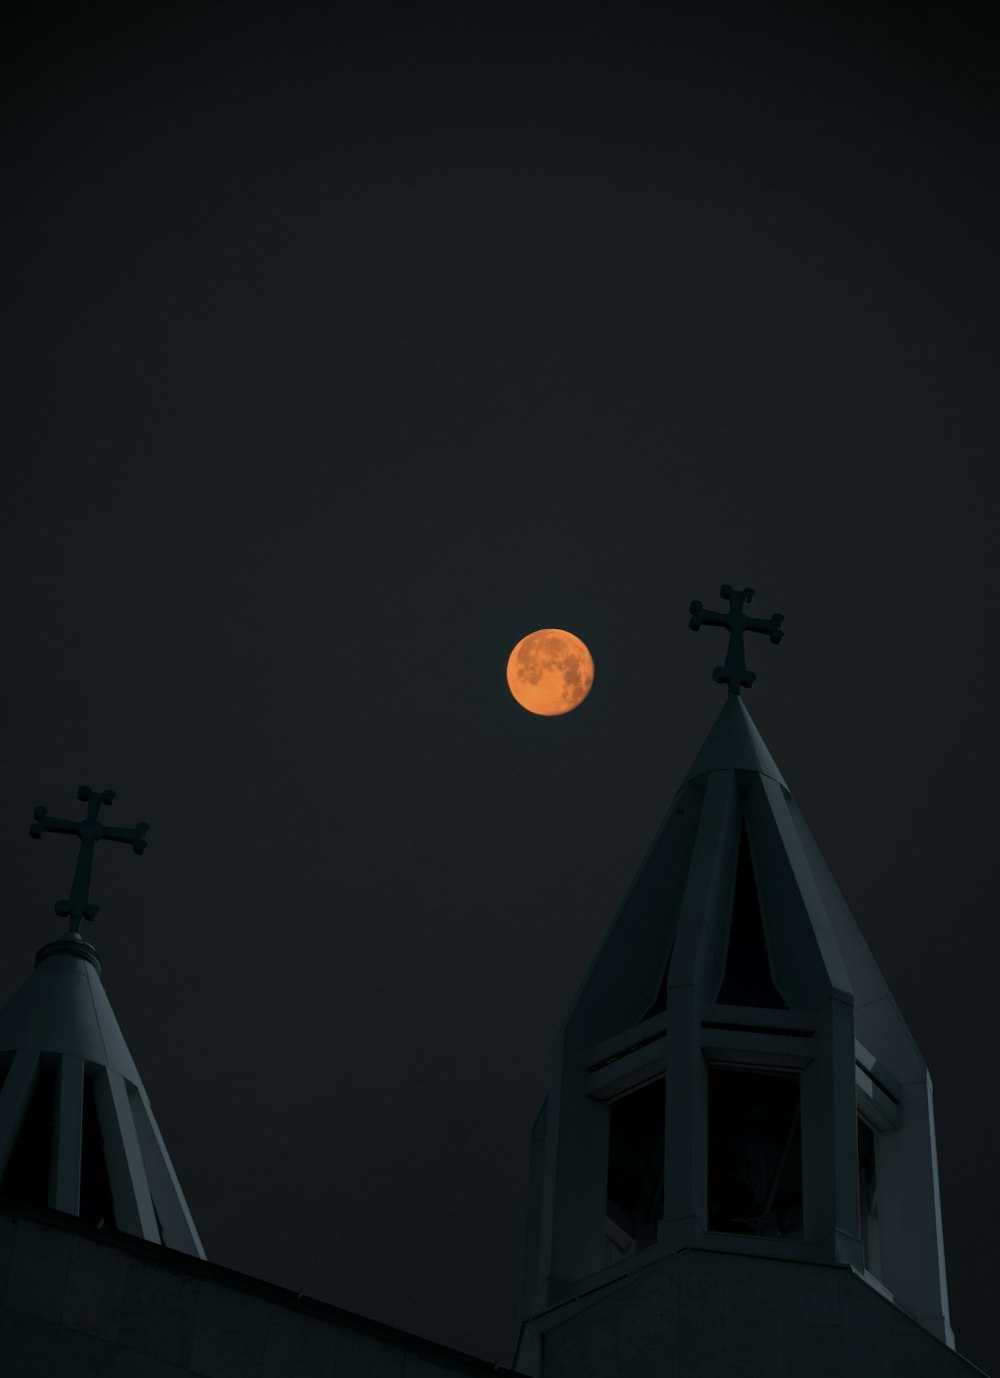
x=64, y=1187
x=830, y=1138
x=685, y=1138
x=576, y=1170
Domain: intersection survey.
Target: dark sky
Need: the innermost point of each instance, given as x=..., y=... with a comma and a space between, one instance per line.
x=347, y=344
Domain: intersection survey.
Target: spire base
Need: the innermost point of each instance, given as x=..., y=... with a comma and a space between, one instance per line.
x=70, y=944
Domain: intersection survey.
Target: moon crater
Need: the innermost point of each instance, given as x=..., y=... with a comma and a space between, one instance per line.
x=550, y=672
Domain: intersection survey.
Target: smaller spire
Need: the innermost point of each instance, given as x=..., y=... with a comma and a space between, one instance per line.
x=735, y=672
x=89, y=831
x=77, y=1131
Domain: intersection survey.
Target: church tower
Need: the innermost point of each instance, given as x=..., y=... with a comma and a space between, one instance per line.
x=735, y=1164
x=77, y=1132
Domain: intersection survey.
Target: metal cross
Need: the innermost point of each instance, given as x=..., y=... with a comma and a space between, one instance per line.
x=735, y=672
x=89, y=831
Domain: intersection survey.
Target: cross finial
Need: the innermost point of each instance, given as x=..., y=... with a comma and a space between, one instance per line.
x=735, y=672
x=90, y=832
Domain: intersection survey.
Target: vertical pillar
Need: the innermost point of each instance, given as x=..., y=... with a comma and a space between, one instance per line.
x=830, y=1138
x=696, y=971
x=67, y=1142
x=536, y=1175
x=126, y=1172
x=576, y=1177
x=685, y=1150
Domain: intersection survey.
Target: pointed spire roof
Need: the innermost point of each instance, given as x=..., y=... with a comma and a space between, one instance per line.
x=77, y=1131
x=63, y=1008
x=734, y=743
x=71, y=1097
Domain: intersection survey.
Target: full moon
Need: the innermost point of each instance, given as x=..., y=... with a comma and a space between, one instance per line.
x=549, y=672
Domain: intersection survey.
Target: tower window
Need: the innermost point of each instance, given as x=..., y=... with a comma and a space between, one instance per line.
x=868, y=1198
x=747, y=979
x=754, y=1153
x=27, y=1175
x=635, y=1170
x=96, y=1205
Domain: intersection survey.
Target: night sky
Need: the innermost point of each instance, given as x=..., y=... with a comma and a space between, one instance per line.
x=348, y=343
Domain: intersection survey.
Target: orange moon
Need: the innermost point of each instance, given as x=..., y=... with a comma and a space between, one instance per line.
x=550, y=672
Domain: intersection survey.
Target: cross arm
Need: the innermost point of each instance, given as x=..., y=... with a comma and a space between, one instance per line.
x=45, y=823
x=771, y=625
x=702, y=617
x=136, y=835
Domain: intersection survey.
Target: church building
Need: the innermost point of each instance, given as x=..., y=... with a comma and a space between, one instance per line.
x=733, y=1174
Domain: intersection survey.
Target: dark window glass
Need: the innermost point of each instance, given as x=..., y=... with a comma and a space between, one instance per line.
x=635, y=1170
x=754, y=1153
x=28, y=1167
x=868, y=1198
x=747, y=979
x=95, y=1189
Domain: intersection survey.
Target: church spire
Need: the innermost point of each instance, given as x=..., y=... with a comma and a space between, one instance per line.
x=77, y=1131
x=732, y=1082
